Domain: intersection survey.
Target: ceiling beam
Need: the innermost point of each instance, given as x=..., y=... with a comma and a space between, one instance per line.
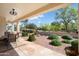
x=48, y=7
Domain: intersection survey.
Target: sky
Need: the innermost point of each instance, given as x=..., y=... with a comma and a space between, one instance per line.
x=47, y=18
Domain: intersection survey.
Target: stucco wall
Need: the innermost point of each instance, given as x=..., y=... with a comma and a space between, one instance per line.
x=2, y=26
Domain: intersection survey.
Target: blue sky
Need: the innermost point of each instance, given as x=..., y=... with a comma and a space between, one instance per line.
x=47, y=17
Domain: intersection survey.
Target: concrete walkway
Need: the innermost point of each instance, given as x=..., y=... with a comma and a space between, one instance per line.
x=32, y=49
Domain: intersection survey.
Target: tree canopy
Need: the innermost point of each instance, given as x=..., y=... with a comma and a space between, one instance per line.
x=66, y=16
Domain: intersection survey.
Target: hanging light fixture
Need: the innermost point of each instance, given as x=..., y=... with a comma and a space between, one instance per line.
x=13, y=12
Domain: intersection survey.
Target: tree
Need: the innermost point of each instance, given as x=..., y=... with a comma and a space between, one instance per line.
x=73, y=27
x=66, y=16
x=31, y=26
x=24, y=23
x=55, y=26
x=45, y=27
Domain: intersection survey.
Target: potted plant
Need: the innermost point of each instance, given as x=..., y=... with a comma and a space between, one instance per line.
x=73, y=49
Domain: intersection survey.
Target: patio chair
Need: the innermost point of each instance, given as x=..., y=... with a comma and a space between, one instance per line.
x=11, y=36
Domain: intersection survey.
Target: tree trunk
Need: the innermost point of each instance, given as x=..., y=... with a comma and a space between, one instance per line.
x=66, y=27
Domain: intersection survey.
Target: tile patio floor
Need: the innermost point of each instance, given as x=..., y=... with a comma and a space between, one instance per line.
x=25, y=48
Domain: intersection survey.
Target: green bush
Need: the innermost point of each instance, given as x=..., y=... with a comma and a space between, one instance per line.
x=66, y=37
x=53, y=37
x=32, y=38
x=74, y=43
x=55, y=43
x=30, y=31
x=67, y=41
x=24, y=34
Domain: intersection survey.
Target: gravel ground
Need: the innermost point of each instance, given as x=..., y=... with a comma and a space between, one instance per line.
x=42, y=40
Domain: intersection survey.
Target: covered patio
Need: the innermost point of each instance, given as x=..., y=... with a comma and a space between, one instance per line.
x=18, y=46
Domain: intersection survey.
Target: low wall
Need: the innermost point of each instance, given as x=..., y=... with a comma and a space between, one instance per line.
x=75, y=35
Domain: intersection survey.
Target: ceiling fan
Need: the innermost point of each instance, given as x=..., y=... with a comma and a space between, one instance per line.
x=13, y=12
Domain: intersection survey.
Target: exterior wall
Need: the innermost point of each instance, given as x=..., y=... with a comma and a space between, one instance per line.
x=2, y=26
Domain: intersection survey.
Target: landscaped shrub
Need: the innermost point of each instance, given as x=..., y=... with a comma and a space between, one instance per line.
x=24, y=34
x=67, y=41
x=74, y=44
x=30, y=31
x=55, y=43
x=32, y=38
x=53, y=36
x=66, y=37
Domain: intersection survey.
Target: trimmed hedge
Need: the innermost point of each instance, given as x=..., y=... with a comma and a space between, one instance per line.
x=53, y=36
x=31, y=38
x=66, y=37
x=55, y=43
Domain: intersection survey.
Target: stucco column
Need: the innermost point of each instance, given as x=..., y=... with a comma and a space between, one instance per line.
x=18, y=26
x=12, y=27
x=2, y=25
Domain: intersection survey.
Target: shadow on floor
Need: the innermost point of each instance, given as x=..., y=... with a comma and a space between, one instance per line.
x=7, y=50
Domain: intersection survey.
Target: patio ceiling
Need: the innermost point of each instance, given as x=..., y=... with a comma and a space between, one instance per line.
x=26, y=10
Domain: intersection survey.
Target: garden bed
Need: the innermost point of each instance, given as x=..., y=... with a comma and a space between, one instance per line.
x=42, y=40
